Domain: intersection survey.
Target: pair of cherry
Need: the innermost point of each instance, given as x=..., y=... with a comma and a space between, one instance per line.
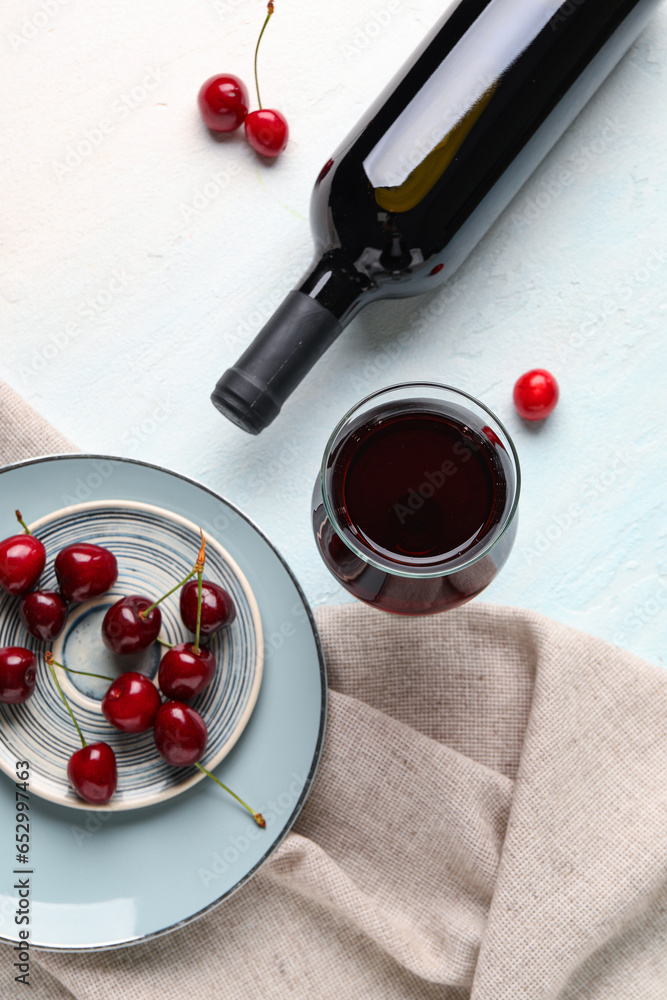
x=180, y=737
x=133, y=624
x=83, y=571
x=132, y=704
x=223, y=104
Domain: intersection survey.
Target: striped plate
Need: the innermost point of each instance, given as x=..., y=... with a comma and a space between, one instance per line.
x=155, y=548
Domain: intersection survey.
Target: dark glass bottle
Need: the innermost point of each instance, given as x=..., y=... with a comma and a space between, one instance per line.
x=429, y=168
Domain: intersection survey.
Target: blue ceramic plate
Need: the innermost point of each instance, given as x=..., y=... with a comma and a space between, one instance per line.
x=155, y=548
x=106, y=878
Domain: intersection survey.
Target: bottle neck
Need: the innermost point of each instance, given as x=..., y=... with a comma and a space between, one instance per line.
x=336, y=285
x=252, y=393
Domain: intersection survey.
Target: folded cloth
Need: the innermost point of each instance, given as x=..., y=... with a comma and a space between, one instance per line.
x=23, y=433
x=488, y=822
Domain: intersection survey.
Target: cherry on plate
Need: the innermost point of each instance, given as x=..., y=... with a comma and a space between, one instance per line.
x=131, y=703
x=180, y=734
x=22, y=561
x=93, y=773
x=18, y=672
x=217, y=607
x=125, y=631
x=43, y=613
x=536, y=394
x=85, y=571
x=184, y=673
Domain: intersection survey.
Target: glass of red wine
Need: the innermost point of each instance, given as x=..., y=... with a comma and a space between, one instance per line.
x=414, y=510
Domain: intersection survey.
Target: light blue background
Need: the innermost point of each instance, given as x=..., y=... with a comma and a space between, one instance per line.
x=128, y=285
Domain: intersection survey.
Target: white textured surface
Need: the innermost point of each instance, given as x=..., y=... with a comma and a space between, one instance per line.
x=131, y=279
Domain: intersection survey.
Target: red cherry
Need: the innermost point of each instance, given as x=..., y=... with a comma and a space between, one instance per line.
x=131, y=703
x=223, y=102
x=184, y=673
x=18, y=672
x=536, y=394
x=44, y=614
x=180, y=734
x=217, y=607
x=92, y=773
x=85, y=571
x=267, y=131
x=125, y=631
x=22, y=561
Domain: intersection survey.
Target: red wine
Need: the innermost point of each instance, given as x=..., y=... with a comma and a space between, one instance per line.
x=424, y=174
x=417, y=488
x=414, y=498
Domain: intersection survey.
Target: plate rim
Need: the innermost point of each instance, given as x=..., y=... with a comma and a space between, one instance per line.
x=114, y=945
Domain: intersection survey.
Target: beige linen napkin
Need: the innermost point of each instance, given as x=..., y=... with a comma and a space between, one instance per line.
x=489, y=822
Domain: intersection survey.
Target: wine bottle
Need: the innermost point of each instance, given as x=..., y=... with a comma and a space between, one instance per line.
x=429, y=168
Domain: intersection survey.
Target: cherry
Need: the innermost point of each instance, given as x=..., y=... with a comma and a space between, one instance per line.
x=133, y=623
x=92, y=773
x=180, y=737
x=223, y=102
x=44, y=613
x=91, y=770
x=85, y=571
x=185, y=673
x=536, y=394
x=267, y=131
x=125, y=629
x=18, y=672
x=22, y=561
x=180, y=734
x=217, y=608
x=131, y=703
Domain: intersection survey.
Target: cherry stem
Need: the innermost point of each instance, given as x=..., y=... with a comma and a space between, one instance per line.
x=19, y=518
x=50, y=663
x=198, y=632
x=270, y=12
x=70, y=670
x=144, y=614
x=258, y=818
x=169, y=645
x=197, y=568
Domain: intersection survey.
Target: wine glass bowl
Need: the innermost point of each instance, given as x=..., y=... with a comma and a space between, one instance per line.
x=414, y=510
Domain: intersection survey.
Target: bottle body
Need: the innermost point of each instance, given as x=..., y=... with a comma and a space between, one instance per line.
x=433, y=163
